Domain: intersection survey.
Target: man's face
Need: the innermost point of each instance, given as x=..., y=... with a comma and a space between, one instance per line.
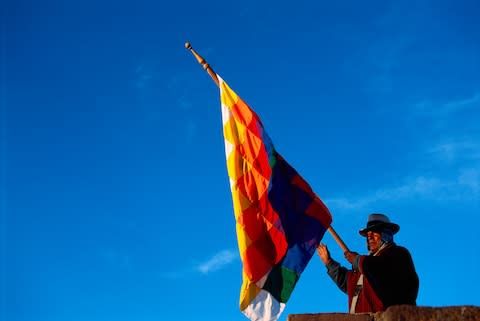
x=373, y=240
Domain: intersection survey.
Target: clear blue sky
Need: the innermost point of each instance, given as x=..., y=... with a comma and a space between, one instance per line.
x=115, y=199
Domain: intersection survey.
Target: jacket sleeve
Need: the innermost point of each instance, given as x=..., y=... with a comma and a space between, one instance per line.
x=338, y=274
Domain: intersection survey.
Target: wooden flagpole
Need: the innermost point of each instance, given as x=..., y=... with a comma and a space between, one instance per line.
x=338, y=239
x=212, y=74
x=202, y=62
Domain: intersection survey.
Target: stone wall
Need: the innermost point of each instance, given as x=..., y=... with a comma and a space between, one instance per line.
x=399, y=313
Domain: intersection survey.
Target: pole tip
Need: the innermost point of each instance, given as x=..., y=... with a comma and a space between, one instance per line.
x=188, y=45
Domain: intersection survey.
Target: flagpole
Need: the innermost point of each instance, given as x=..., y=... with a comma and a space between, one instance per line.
x=212, y=74
x=338, y=239
x=202, y=62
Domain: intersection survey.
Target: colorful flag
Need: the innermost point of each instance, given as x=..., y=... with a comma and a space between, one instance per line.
x=279, y=219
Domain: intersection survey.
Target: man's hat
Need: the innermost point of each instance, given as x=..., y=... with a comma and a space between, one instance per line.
x=378, y=222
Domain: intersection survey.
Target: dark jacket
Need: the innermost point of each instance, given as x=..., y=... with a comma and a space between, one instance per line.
x=392, y=275
x=389, y=279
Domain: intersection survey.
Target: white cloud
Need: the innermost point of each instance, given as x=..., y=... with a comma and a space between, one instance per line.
x=217, y=261
x=190, y=131
x=462, y=103
x=116, y=258
x=184, y=103
x=470, y=178
x=384, y=55
x=456, y=150
x=348, y=203
x=143, y=76
x=213, y=264
x=466, y=186
x=444, y=110
x=420, y=186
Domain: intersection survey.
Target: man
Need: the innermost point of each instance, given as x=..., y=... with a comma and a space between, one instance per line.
x=384, y=278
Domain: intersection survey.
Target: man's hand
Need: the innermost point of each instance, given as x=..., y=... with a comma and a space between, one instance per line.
x=324, y=254
x=351, y=256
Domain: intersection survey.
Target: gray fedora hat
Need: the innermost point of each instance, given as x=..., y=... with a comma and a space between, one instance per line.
x=378, y=222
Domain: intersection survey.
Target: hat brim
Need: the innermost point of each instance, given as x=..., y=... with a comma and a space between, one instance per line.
x=379, y=226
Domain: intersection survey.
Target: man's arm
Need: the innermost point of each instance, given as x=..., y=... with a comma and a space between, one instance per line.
x=336, y=272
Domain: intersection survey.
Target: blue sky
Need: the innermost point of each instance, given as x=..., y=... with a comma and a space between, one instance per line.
x=114, y=191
